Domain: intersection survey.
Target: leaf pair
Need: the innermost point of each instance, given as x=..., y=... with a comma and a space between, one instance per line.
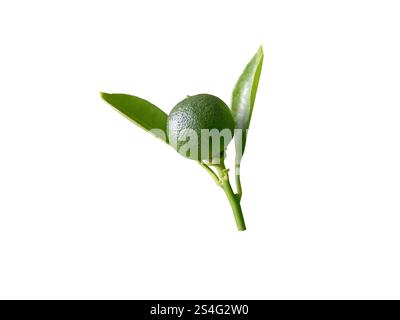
x=154, y=120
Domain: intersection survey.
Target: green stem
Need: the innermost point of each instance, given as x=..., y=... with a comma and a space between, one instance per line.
x=210, y=171
x=238, y=183
x=233, y=199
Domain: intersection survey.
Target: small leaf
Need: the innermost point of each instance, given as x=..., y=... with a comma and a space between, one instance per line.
x=143, y=113
x=243, y=97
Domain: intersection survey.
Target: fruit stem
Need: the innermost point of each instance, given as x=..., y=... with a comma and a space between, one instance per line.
x=210, y=171
x=234, y=200
x=238, y=183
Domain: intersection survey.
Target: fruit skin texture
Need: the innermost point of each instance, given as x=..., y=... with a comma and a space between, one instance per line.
x=202, y=111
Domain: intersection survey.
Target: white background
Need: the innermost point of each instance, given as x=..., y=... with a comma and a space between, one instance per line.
x=93, y=207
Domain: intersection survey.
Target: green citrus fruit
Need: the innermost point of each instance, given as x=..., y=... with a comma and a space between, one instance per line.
x=192, y=119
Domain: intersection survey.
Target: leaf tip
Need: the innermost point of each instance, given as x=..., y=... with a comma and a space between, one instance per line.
x=104, y=95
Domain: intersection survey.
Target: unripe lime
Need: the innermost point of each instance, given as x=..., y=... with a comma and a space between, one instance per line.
x=195, y=115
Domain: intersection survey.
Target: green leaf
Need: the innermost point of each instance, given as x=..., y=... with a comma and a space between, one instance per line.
x=243, y=97
x=141, y=112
